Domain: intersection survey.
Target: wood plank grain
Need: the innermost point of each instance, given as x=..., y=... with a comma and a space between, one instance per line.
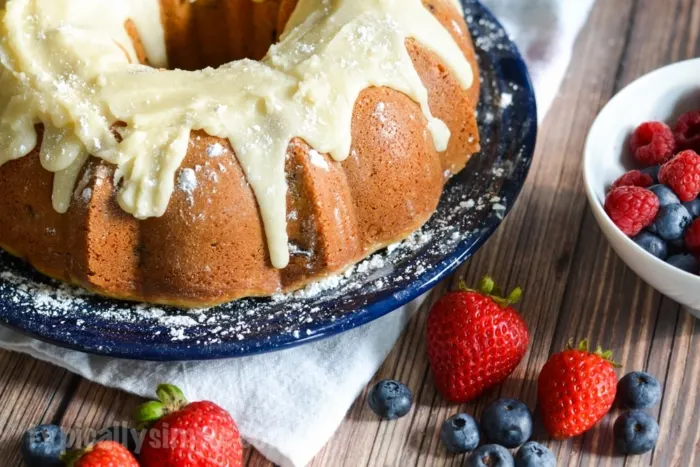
x=31, y=392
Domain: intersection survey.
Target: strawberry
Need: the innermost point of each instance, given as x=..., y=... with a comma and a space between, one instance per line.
x=475, y=340
x=183, y=434
x=575, y=389
x=102, y=454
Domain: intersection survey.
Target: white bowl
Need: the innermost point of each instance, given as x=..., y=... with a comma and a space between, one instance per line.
x=661, y=95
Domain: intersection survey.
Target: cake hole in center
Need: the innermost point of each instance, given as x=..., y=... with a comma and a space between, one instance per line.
x=211, y=33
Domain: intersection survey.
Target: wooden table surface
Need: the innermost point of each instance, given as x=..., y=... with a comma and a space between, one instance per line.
x=575, y=286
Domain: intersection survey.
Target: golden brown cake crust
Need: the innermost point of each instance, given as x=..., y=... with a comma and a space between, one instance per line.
x=210, y=248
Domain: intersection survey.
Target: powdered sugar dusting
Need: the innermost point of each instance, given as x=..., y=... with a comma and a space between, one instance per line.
x=187, y=183
x=215, y=150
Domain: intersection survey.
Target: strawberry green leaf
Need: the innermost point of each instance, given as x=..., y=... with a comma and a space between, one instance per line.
x=171, y=396
x=488, y=287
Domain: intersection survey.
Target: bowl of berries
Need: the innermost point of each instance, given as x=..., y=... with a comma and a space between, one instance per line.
x=641, y=170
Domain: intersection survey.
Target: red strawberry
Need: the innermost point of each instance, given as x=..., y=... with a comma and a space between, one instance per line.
x=631, y=208
x=633, y=178
x=102, y=454
x=682, y=175
x=575, y=389
x=475, y=340
x=197, y=434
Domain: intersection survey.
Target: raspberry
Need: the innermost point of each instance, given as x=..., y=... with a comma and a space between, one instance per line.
x=692, y=237
x=631, y=208
x=652, y=143
x=687, y=131
x=682, y=175
x=633, y=178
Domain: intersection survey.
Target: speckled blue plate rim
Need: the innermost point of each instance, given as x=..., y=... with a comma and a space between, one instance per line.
x=511, y=66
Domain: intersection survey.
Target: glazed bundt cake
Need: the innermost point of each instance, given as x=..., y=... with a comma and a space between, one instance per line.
x=191, y=152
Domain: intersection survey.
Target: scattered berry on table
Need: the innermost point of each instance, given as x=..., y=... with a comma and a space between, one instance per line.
x=475, y=340
x=42, y=446
x=672, y=221
x=686, y=131
x=460, y=433
x=575, y=389
x=533, y=454
x=102, y=454
x=507, y=422
x=490, y=455
x=652, y=244
x=652, y=143
x=206, y=432
x=665, y=194
x=127, y=437
x=682, y=175
x=638, y=390
x=692, y=237
x=390, y=399
x=633, y=178
x=685, y=262
x=636, y=432
x=653, y=172
x=631, y=208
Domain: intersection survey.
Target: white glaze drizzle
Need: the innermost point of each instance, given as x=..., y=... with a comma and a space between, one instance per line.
x=70, y=65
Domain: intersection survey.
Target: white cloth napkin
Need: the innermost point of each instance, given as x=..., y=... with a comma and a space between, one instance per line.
x=288, y=404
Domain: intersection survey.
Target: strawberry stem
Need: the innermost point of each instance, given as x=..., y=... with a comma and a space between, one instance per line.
x=488, y=287
x=170, y=399
x=171, y=396
x=150, y=411
x=515, y=295
x=583, y=347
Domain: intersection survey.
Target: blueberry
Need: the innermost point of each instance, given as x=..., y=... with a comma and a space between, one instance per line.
x=390, y=399
x=43, y=445
x=635, y=432
x=507, y=422
x=653, y=172
x=671, y=221
x=490, y=455
x=534, y=454
x=652, y=244
x=638, y=390
x=665, y=194
x=684, y=261
x=693, y=207
x=460, y=433
x=127, y=437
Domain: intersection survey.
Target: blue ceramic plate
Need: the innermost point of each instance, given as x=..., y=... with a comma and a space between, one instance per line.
x=473, y=205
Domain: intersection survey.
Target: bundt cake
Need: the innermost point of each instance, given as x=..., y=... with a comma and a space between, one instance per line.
x=191, y=152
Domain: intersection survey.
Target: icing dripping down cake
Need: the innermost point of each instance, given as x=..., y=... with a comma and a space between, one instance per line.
x=195, y=152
